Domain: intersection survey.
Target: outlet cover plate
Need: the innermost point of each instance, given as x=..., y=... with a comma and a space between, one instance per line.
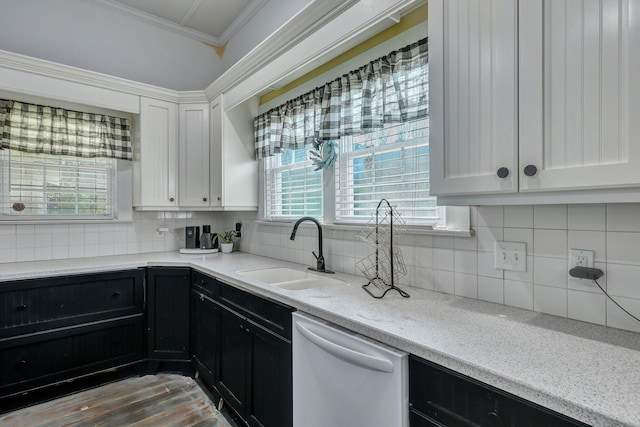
x=511, y=256
x=583, y=257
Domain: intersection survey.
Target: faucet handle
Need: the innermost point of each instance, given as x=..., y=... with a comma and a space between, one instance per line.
x=314, y=255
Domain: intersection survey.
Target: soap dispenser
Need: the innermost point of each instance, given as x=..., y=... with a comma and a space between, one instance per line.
x=205, y=239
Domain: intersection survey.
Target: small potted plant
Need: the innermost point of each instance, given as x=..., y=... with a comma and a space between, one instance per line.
x=225, y=241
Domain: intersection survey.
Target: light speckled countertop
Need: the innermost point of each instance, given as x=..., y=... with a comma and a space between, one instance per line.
x=588, y=372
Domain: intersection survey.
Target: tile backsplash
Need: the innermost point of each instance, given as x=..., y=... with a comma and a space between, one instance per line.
x=465, y=266
x=60, y=241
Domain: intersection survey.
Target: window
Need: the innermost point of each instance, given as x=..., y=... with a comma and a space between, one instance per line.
x=293, y=188
x=53, y=186
x=392, y=163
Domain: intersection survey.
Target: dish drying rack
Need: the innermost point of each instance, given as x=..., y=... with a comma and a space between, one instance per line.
x=385, y=266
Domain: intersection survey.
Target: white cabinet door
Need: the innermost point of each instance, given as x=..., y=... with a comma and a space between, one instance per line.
x=216, y=115
x=579, y=94
x=158, y=162
x=194, y=155
x=473, y=99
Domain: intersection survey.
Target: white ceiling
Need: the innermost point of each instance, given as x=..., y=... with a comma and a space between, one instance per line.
x=210, y=21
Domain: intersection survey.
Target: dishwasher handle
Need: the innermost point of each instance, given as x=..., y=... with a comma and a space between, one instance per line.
x=352, y=356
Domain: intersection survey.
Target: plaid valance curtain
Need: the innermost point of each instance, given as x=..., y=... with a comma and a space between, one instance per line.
x=35, y=128
x=393, y=88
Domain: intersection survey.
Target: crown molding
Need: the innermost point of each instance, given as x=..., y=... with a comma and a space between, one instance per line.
x=244, y=17
x=45, y=68
x=311, y=18
x=156, y=21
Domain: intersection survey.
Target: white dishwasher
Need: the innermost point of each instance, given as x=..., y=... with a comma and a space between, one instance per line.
x=343, y=379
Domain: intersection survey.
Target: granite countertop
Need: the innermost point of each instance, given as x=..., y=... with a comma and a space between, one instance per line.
x=588, y=372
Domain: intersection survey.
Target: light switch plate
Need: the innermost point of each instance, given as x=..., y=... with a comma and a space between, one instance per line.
x=511, y=256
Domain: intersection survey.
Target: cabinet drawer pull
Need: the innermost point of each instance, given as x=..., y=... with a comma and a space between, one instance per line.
x=494, y=419
x=21, y=307
x=503, y=172
x=21, y=363
x=115, y=294
x=530, y=170
x=201, y=297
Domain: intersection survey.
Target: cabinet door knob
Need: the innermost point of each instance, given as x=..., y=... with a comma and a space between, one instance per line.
x=494, y=419
x=218, y=197
x=115, y=294
x=21, y=363
x=171, y=199
x=530, y=170
x=21, y=307
x=503, y=172
x=204, y=199
x=201, y=297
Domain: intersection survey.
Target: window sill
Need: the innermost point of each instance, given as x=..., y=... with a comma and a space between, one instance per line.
x=411, y=229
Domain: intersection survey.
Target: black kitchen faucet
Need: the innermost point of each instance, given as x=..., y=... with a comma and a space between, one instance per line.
x=320, y=264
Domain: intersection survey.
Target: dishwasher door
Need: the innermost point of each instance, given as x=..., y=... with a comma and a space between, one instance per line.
x=343, y=379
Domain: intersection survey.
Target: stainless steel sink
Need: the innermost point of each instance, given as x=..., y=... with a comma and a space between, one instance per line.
x=290, y=279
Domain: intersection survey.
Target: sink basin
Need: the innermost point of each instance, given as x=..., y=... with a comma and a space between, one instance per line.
x=290, y=279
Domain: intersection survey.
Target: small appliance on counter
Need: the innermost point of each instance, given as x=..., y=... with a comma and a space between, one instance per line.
x=197, y=244
x=192, y=237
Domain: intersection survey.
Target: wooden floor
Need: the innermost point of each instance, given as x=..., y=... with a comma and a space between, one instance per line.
x=152, y=400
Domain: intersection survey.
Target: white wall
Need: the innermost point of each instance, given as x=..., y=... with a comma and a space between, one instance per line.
x=269, y=18
x=89, y=36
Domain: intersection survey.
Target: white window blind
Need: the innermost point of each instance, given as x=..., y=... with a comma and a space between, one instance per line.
x=39, y=186
x=391, y=163
x=292, y=187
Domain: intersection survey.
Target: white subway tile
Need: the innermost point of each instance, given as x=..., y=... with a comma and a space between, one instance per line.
x=486, y=265
x=522, y=276
x=60, y=252
x=490, y=216
x=443, y=259
x=550, y=300
x=423, y=257
x=623, y=248
x=518, y=216
x=550, y=216
x=623, y=280
x=586, y=306
x=424, y=241
x=491, y=289
x=25, y=229
x=550, y=243
x=466, y=262
x=623, y=217
x=590, y=217
x=76, y=251
x=25, y=254
x=8, y=255
x=443, y=242
x=7, y=230
x=518, y=294
x=8, y=241
x=443, y=281
x=26, y=240
x=524, y=235
x=619, y=319
x=466, y=285
x=487, y=237
x=466, y=243
x=589, y=240
x=550, y=271
x=423, y=278
x=42, y=253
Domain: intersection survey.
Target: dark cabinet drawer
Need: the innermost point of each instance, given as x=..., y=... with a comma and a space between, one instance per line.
x=447, y=397
x=32, y=360
x=34, y=305
x=270, y=314
x=209, y=285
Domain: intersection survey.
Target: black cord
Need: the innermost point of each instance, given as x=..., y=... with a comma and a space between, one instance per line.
x=614, y=301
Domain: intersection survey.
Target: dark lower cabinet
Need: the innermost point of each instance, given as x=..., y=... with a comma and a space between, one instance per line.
x=168, y=298
x=58, y=332
x=204, y=333
x=254, y=362
x=441, y=397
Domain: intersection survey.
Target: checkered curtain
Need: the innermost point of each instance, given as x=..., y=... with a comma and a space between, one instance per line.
x=35, y=128
x=393, y=88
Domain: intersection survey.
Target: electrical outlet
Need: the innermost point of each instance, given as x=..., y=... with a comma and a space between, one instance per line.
x=581, y=258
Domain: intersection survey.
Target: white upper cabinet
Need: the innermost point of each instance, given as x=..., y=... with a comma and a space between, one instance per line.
x=194, y=155
x=473, y=96
x=579, y=94
x=544, y=88
x=234, y=179
x=156, y=160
